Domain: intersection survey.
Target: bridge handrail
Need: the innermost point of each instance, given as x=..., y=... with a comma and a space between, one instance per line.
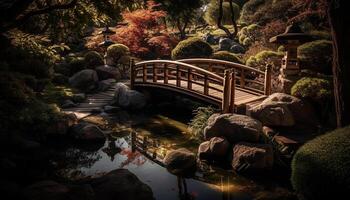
x=222, y=62
x=181, y=64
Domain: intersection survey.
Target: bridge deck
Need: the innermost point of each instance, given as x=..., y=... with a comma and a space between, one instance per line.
x=242, y=97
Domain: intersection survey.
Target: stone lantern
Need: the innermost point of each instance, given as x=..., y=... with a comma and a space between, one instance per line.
x=290, y=69
x=107, y=41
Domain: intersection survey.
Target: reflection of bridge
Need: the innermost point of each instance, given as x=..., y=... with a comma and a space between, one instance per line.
x=229, y=85
x=220, y=178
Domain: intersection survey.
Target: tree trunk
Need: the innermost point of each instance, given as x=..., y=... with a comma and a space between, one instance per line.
x=219, y=22
x=341, y=61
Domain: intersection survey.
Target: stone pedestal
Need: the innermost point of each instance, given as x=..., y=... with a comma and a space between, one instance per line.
x=287, y=82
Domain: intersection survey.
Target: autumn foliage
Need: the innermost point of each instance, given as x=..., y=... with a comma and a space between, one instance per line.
x=145, y=35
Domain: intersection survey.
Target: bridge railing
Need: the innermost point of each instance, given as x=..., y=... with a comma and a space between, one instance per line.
x=175, y=75
x=206, y=83
x=247, y=78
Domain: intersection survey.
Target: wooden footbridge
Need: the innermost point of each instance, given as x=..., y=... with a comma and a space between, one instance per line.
x=226, y=84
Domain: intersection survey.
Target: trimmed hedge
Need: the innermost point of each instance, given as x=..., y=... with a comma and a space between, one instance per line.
x=321, y=167
x=316, y=89
x=192, y=48
x=119, y=53
x=93, y=59
x=227, y=56
x=262, y=58
x=317, y=56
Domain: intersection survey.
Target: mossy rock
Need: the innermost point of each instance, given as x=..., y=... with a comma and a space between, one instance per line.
x=321, y=167
x=227, y=56
x=317, y=56
x=316, y=89
x=192, y=48
x=93, y=59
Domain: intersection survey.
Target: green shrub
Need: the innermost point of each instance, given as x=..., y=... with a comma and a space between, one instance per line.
x=199, y=121
x=316, y=89
x=76, y=64
x=317, y=56
x=321, y=167
x=212, y=13
x=93, y=59
x=321, y=35
x=56, y=94
x=192, y=48
x=281, y=49
x=247, y=35
x=119, y=53
x=14, y=90
x=225, y=55
x=264, y=57
x=249, y=9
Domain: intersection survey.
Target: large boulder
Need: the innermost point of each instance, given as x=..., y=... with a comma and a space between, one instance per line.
x=61, y=126
x=121, y=184
x=85, y=80
x=105, y=84
x=126, y=98
x=237, y=48
x=235, y=128
x=281, y=109
x=107, y=72
x=180, y=162
x=49, y=189
x=225, y=44
x=211, y=39
x=86, y=132
x=250, y=156
x=46, y=190
x=215, y=149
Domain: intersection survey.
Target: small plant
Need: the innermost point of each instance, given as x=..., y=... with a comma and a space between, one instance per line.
x=199, y=121
x=264, y=57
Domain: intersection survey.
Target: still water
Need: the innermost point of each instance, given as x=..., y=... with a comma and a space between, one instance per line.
x=171, y=132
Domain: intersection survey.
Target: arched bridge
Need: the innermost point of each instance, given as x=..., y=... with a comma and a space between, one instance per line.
x=222, y=83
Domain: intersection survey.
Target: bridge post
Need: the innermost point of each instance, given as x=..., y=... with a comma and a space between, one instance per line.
x=233, y=90
x=132, y=73
x=226, y=92
x=178, y=76
x=189, y=79
x=267, y=83
x=166, y=73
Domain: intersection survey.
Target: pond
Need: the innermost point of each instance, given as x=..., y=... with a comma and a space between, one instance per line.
x=170, y=130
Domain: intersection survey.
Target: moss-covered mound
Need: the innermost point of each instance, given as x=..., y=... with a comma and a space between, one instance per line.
x=316, y=89
x=192, y=48
x=316, y=55
x=321, y=168
x=227, y=56
x=93, y=59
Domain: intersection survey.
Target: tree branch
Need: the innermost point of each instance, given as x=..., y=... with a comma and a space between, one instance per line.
x=21, y=19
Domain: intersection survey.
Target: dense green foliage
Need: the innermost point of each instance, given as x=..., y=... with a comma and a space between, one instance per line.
x=212, y=13
x=316, y=55
x=321, y=168
x=225, y=55
x=93, y=59
x=199, y=121
x=192, y=48
x=119, y=53
x=316, y=89
x=264, y=57
x=248, y=34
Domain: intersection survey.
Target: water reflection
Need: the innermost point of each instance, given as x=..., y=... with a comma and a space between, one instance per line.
x=143, y=157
